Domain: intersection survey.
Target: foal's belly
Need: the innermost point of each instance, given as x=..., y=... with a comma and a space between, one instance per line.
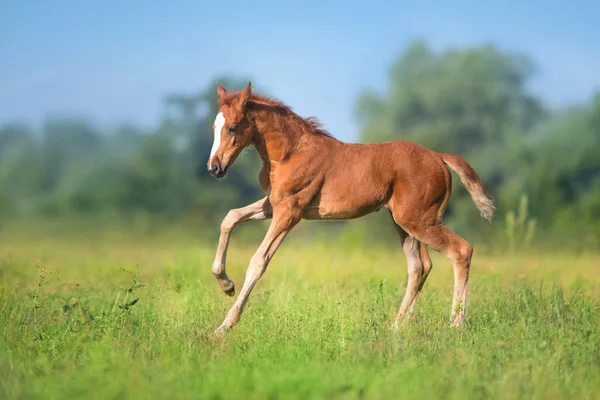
x=356, y=182
x=345, y=204
x=321, y=213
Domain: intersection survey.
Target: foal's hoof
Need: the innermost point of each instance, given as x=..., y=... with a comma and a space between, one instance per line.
x=227, y=286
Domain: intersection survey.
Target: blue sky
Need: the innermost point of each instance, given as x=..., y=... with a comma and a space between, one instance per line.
x=113, y=60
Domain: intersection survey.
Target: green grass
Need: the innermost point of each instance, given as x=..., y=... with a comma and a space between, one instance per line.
x=317, y=324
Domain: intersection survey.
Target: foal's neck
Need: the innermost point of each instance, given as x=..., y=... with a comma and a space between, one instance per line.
x=280, y=133
x=277, y=132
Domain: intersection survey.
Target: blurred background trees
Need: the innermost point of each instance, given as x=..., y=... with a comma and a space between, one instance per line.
x=71, y=167
x=473, y=102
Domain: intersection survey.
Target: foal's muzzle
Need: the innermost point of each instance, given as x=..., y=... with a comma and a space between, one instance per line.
x=217, y=170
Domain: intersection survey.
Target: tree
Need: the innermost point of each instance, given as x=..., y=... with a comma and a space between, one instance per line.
x=21, y=168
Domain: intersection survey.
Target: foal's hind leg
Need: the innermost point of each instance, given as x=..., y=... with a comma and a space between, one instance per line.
x=257, y=211
x=427, y=266
x=459, y=252
x=416, y=276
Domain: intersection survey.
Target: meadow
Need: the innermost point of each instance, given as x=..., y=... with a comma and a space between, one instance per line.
x=111, y=314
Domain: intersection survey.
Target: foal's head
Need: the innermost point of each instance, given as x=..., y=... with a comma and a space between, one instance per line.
x=233, y=131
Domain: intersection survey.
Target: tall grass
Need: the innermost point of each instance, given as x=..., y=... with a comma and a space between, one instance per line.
x=112, y=316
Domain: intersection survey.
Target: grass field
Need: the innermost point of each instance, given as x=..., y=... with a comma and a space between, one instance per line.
x=118, y=317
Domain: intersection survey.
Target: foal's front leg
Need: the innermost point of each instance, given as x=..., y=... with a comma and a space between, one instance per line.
x=257, y=211
x=283, y=222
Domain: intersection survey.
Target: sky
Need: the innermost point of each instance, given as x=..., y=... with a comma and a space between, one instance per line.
x=113, y=61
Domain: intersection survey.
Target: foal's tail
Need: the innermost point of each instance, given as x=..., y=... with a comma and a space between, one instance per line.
x=469, y=178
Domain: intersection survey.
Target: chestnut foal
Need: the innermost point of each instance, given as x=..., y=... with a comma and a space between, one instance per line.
x=308, y=174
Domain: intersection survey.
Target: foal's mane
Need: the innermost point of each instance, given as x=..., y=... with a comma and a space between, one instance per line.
x=311, y=124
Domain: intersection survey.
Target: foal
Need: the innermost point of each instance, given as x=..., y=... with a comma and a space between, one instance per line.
x=307, y=174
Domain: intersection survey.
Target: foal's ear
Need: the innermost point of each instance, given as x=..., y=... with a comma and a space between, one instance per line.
x=221, y=92
x=244, y=96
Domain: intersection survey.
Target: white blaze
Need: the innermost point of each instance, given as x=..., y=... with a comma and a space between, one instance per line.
x=219, y=122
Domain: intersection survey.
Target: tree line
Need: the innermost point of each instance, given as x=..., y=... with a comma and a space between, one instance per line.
x=473, y=102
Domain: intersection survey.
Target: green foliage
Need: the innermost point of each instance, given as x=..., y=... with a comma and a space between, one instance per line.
x=455, y=102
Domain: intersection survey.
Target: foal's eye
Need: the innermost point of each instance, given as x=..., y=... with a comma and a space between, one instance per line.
x=232, y=128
